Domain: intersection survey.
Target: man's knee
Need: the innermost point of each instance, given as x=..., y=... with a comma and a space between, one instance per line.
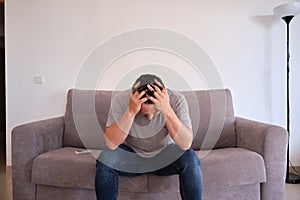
x=190, y=159
x=100, y=167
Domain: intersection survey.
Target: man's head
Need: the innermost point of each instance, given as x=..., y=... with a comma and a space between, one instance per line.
x=140, y=85
x=142, y=82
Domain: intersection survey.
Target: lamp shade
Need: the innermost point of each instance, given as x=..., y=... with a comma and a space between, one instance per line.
x=287, y=9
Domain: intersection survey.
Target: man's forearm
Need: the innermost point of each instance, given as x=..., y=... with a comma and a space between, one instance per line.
x=181, y=134
x=118, y=132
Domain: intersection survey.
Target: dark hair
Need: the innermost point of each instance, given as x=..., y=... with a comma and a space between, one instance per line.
x=144, y=80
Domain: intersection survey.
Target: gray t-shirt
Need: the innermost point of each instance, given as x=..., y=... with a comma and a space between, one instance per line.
x=148, y=137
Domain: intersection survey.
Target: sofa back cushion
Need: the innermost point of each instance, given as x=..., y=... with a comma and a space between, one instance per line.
x=213, y=120
x=85, y=118
x=211, y=112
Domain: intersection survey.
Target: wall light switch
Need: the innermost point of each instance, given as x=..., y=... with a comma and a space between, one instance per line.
x=39, y=79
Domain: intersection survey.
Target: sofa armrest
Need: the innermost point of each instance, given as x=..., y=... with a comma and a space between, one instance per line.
x=271, y=142
x=28, y=141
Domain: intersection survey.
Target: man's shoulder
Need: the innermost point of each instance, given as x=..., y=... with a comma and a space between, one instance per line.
x=121, y=94
x=175, y=95
x=120, y=98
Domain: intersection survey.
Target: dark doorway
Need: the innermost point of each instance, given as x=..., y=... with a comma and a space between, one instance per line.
x=2, y=91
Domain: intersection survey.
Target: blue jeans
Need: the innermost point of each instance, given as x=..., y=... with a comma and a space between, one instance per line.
x=187, y=166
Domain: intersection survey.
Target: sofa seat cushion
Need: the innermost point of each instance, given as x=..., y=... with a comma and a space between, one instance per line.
x=223, y=168
x=63, y=168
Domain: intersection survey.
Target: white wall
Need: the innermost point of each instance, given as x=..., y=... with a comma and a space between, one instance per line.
x=53, y=38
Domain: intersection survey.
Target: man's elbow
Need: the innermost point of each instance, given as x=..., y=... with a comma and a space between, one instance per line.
x=187, y=143
x=110, y=145
x=186, y=146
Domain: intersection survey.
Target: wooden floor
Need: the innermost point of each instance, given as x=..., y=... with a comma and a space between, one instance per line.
x=292, y=192
x=5, y=173
x=5, y=184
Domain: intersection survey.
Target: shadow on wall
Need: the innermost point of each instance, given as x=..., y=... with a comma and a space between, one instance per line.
x=268, y=22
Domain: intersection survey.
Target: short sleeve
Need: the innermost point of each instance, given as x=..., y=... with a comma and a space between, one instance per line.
x=118, y=106
x=180, y=107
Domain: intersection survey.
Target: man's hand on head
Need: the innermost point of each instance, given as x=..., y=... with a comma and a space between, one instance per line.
x=161, y=98
x=135, y=102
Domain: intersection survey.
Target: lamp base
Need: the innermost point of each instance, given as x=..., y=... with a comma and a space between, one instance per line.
x=292, y=178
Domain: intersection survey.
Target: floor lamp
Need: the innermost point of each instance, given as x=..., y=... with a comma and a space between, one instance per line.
x=287, y=12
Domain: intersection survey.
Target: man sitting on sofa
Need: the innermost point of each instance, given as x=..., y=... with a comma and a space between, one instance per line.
x=148, y=131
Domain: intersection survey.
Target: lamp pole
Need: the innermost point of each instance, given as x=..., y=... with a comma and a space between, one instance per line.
x=287, y=12
x=290, y=177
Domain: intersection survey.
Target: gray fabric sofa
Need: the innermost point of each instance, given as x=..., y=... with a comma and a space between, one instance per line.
x=240, y=158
